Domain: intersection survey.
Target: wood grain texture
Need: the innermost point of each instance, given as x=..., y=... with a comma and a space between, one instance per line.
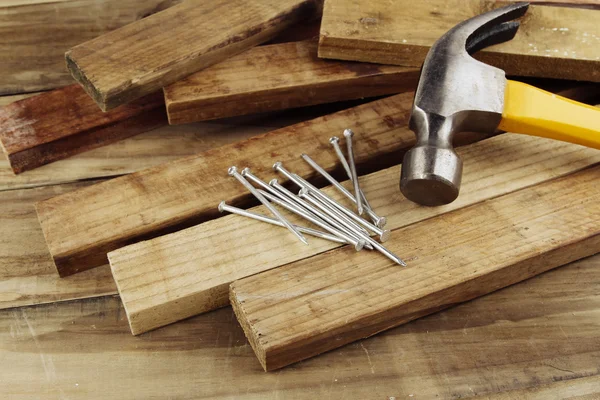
x=154, y=52
x=552, y=42
x=149, y=149
x=34, y=36
x=58, y=124
x=27, y=273
x=539, y=332
x=276, y=77
x=83, y=226
x=308, y=307
x=171, y=277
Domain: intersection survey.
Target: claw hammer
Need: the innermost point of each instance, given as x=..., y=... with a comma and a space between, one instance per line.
x=457, y=93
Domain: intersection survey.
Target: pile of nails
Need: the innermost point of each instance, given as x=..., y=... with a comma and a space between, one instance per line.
x=341, y=224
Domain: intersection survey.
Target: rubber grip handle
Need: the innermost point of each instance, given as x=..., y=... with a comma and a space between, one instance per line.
x=535, y=112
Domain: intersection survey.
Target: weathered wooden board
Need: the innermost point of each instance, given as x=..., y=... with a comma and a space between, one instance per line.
x=170, y=278
x=145, y=56
x=27, y=273
x=34, y=35
x=83, y=226
x=156, y=147
x=552, y=42
x=276, y=77
x=308, y=307
x=540, y=332
x=58, y=124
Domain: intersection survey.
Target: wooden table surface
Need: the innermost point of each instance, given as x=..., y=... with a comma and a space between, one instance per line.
x=69, y=338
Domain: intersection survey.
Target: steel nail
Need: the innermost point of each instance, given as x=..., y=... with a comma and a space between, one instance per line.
x=377, y=220
x=232, y=171
x=305, y=194
x=357, y=243
x=348, y=135
x=303, y=204
x=384, y=234
x=224, y=207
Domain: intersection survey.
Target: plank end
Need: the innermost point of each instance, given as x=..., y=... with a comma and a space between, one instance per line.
x=79, y=75
x=249, y=331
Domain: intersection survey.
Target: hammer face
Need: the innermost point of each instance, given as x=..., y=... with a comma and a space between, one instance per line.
x=456, y=93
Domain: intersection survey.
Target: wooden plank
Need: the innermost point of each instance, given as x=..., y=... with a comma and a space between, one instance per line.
x=552, y=42
x=183, y=193
x=27, y=273
x=143, y=151
x=276, y=77
x=58, y=124
x=535, y=333
x=308, y=307
x=152, y=148
x=145, y=56
x=34, y=35
x=169, y=278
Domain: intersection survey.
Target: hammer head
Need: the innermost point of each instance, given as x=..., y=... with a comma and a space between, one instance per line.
x=456, y=93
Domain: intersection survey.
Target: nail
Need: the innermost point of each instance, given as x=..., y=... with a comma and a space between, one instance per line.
x=306, y=207
x=384, y=234
x=224, y=207
x=348, y=135
x=305, y=194
x=357, y=243
x=377, y=220
x=232, y=171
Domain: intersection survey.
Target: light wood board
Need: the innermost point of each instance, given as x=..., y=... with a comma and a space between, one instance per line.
x=60, y=123
x=536, y=333
x=34, y=36
x=145, y=56
x=552, y=42
x=83, y=226
x=186, y=273
x=308, y=307
x=279, y=76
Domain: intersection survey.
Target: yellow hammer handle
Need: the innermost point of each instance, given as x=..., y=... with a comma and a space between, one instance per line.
x=533, y=111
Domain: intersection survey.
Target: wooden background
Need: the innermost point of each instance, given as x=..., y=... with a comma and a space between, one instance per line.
x=69, y=338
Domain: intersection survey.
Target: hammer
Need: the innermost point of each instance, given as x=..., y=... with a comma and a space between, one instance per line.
x=457, y=93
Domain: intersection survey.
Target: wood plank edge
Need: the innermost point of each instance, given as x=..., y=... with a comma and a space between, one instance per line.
x=248, y=328
x=363, y=51
x=80, y=77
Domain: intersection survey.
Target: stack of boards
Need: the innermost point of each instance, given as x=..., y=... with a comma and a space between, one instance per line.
x=527, y=204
